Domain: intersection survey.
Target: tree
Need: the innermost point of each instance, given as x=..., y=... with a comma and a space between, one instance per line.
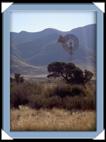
x=56, y=68
x=69, y=72
x=18, y=78
x=78, y=77
x=21, y=79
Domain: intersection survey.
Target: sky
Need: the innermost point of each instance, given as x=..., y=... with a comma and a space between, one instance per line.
x=38, y=21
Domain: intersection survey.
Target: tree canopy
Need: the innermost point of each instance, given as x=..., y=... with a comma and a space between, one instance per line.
x=69, y=72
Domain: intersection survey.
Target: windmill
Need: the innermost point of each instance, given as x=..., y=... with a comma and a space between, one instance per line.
x=69, y=42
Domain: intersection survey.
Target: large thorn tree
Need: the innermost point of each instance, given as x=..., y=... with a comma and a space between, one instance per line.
x=69, y=72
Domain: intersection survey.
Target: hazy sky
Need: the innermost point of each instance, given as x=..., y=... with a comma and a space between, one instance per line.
x=38, y=21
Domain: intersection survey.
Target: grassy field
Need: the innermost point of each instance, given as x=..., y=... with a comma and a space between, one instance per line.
x=27, y=119
x=49, y=95
x=52, y=105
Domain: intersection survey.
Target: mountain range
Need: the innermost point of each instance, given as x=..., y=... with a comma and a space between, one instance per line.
x=31, y=52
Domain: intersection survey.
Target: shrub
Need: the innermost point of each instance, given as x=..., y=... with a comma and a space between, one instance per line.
x=37, y=95
x=67, y=90
x=62, y=92
x=40, y=101
x=79, y=103
x=20, y=94
x=78, y=90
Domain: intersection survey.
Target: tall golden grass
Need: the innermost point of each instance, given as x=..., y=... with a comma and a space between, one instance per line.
x=52, y=106
x=27, y=119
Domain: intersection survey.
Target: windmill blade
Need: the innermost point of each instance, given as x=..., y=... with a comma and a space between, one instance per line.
x=70, y=43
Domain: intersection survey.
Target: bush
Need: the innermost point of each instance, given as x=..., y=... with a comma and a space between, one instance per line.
x=19, y=96
x=67, y=90
x=62, y=92
x=47, y=95
x=79, y=103
x=78, y=90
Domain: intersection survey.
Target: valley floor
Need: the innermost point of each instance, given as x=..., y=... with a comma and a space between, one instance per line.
x=27, y=119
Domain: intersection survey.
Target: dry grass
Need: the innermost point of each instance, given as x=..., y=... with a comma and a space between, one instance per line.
x=49, y=95
x=27, y=119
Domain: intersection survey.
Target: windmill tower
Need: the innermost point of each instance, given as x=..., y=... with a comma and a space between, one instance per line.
x=69, y=42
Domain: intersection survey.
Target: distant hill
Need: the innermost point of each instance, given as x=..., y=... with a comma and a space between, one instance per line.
x=18, y=66
x=32, y=50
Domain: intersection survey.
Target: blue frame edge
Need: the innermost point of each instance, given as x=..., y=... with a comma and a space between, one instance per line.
x=6, y=72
